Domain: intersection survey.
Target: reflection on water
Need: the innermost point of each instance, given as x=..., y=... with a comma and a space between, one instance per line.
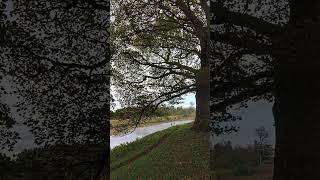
x=141, y=132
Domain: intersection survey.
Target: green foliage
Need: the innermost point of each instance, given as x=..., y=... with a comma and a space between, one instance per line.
x=243, y=169
x=56, y=59
x=157, y=54
x=125, y=113
x=124, y=152
x=163, y=111
x=53, y=162
x=224, y=155
x=228, y=162
x=8, y=137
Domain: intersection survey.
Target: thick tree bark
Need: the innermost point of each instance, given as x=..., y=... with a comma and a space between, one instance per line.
x=297, y=153
x=201, y=122
x=277, y=156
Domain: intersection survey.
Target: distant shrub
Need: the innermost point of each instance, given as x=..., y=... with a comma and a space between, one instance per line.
x=243, y=169
x=163, y=111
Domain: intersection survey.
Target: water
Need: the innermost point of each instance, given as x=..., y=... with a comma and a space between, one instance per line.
x=141, y=132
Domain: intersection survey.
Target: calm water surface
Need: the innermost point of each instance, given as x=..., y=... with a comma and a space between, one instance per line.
x=141, y=132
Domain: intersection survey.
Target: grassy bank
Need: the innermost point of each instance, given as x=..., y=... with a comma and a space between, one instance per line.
x=180, y=153
x=239, y=163
x=152, y=121
x=174, y=153
x=263, y=172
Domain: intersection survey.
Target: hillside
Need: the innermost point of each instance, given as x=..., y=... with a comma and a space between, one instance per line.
x=174, y=153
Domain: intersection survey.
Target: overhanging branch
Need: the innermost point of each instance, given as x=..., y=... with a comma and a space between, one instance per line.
x=223, y=15
x=168, y=96
x=245, y=95
x=249, y=43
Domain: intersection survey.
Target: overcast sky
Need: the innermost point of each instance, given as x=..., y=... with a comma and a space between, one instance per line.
x=256, y=115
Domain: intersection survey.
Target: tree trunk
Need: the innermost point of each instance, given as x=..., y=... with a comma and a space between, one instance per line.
x=276, y=115
x=201, y=122
x=297, y=154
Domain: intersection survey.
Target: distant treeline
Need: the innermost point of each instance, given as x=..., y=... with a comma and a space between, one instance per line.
x=52, y=163
x=126, y=113
x=225, y=155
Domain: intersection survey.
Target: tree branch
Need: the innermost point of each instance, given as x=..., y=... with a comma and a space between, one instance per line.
x=190, y=14
x=144, y=109
x=259, y=90
x=69, y=65
x=154, y=65
x=247, y=42
x=223, y=15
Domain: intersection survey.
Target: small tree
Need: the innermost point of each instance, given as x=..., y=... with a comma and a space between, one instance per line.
x=191, y=105
x=262, y=144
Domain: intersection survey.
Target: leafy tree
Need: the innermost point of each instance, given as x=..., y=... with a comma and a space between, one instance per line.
x=57, y=55
x=286, y=34
x=225, y=155
x=262, y=145
x=124, y=113
x=191, y=104
x=8, y=137
x=58, y=161
x=245, y=34
x=161, y=54
x=242, y=64
x=262, y=135
x=60, y=50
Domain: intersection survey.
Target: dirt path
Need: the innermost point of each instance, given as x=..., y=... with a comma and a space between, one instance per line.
x=145, y=152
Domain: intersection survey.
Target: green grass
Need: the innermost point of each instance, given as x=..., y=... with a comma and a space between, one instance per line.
x=126, y=151
x=184, y=154
x=263, y=172
x=239, y=165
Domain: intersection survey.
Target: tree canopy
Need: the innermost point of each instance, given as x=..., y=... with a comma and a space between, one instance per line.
x=8, y=137
x=56, y=55
x=161, y=47
x=243, y=39
x=157, y=50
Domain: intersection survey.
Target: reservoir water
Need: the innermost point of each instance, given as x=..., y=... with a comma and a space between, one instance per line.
x=141, y=132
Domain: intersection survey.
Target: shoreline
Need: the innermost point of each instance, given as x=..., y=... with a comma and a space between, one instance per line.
x=114, y=124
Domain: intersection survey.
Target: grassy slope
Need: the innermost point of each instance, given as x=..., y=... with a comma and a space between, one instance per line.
x=184, y=154
x=240, y=166
x=264, y=172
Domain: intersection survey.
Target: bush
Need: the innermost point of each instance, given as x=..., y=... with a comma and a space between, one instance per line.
x=243, y=169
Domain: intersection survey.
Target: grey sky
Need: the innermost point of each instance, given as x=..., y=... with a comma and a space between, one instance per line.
x=27, y=139
x=256, y=115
